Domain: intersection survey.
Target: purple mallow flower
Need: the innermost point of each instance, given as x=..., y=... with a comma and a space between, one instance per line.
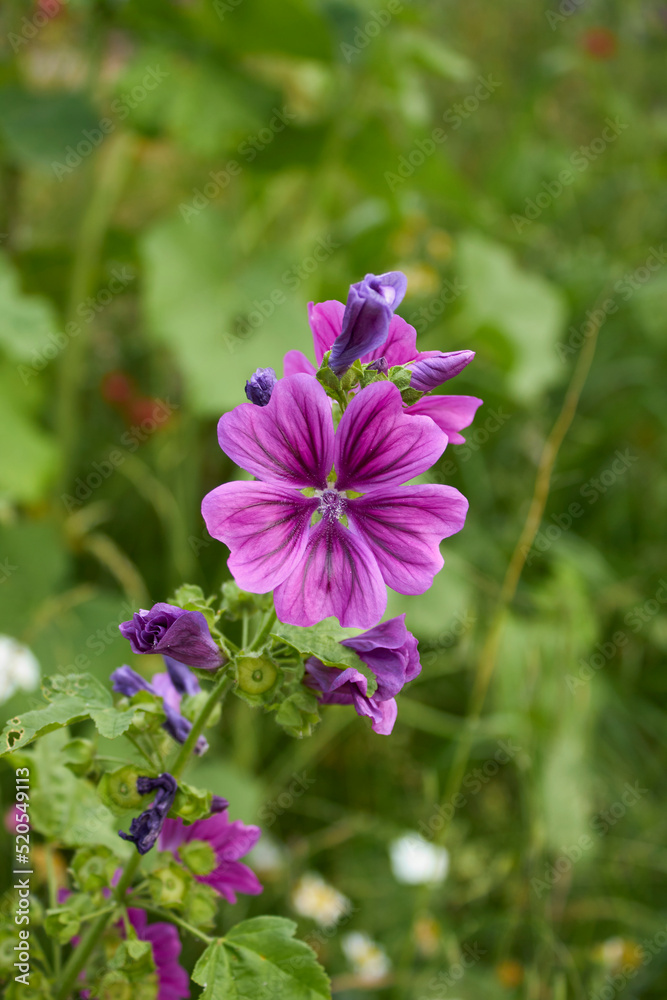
x=182, y=635
x=370, y=307
x=339, y=564
x=144, y=829
x=430, y=368
x=390, y=651
x=259, y=386
x=227, y=842
x=172, y=979
x=128, y=682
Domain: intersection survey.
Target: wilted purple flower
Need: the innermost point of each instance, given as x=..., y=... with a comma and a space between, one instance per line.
x=370, y=307
x=144, y=829
x=340, y=564
x=259, y=386
x=218, y=804
x=128, y=682
x=182, y=635
x=450, y=413
x=183, y=679
x=173, y=980
x=381, y=365
x=229, y=842
x=390, y=651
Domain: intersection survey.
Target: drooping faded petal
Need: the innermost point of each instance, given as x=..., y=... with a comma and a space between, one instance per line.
x=348, y=687
x=128, y=682
x=337, y=576
x=326, y=323
x=404, y=526
x=450, y=413
x=433, y=368
x=296, y=363
x=182, y=678
x=391, y=652
x=265, y=527
x=400, y=345
x=289, y=441
x=378, y=445
x=368, y=311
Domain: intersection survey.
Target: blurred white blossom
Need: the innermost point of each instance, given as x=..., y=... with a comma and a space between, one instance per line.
x=18, y=668
x=367, y=958
x=313, y=897
x=415, y=861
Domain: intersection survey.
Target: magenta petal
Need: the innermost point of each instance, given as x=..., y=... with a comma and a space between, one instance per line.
x=382, y=713
x=450, y=413
x=296, y=363
x=433, y=368
x=289, y=441
x=404, y=526
x=378, y=445
x=400, y=345
x=326, y=323
x=265, y=527
x=337, y=576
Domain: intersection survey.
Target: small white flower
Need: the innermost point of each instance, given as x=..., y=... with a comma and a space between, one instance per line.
x=18, y=667
x=367, y=958
x=313, y=897
x=415, y=861
x=267, y=857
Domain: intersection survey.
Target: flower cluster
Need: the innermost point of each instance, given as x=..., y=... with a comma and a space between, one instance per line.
x=330, y=520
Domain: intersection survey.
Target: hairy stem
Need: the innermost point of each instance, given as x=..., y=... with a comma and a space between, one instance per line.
x=173, y=919
x=263, y=634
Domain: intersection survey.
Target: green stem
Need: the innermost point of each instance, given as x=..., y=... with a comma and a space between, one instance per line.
x=218, y=691
x=263, y=634
x=53, y=901
x=173, y=919
x=245, y=632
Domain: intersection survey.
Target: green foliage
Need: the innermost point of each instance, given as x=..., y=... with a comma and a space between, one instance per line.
x=324, y=641
x=261, y=958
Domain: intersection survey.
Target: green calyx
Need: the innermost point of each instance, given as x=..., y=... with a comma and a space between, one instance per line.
x=118, y=789
x=198, y=857
x=256, y=673
x=168, y=886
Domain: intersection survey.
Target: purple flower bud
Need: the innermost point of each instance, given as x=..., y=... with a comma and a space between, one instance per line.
x=430, y=372
x=128, y=682
x=183, y=635
x=380, y=365
x=259, y=386
x=183, y=679
x=218, y=804
x=144, y=829
x=370, y=306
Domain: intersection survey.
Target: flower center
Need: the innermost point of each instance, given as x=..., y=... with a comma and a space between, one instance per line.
x=332, y=505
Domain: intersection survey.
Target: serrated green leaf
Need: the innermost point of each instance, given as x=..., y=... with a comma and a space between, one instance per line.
x=324, y=642
x=112, y=723
x=70, y=698
x=260, y=958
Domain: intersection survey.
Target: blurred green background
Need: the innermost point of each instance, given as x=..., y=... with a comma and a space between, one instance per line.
x=179, y=180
